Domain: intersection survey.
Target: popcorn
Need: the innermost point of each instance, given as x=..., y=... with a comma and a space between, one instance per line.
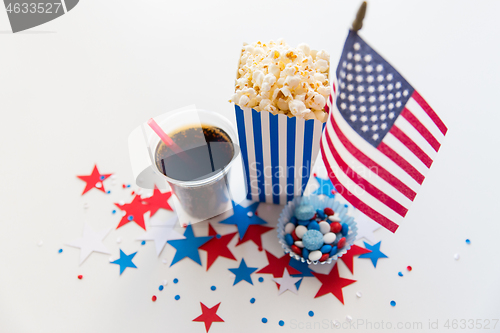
x=277, y=78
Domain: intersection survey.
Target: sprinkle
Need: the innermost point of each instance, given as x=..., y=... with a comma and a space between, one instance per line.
x=108, y=192
x=143, y=242
x=121, y=202
x=281, y=323
x=249, y=214
x=213, y=288
x=124, y=213
x=102, y=178
x=113, y=182
x=264, y=320
x=128, y=185
x=119, y=240
x=80, y=277
x=467, y=241
x=359, y=294
x=40, y=243
x=60, y=251
x=348, y=318
x=400, y=274
x=310, y=313
x=261, y=279
x=409, y=268
x=346, y=205
x=85, y=205
x=160, y=288
x=98, y=184
x=315, y=174
x=111, y=259
x=132, y=193
x=336, y=323
x=130, y=217
x=113, y=176
x=218, y=236
x=177, y=297
x=164, y=282
x=252, y=300
x=393, y=303
x=124, y=186
x=164, y=261
x=176, y=280
x=153, y=298
x=456, y=256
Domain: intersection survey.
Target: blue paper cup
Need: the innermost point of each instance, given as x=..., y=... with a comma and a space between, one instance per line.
x=318, y=203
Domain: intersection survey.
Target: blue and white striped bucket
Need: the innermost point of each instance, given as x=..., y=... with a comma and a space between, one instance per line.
x=278, y=153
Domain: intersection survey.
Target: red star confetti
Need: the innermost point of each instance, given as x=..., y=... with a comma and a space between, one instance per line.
x=254, y=233
x=94, y=180
x=277, y=266
x=332, y=283
x=353, y=251
x=158, y=200
x=217, y=246
x=134, y=211
x=208, y=316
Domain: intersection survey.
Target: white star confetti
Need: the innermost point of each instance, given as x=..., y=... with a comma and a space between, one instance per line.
x=90, y=242
x=287, y=283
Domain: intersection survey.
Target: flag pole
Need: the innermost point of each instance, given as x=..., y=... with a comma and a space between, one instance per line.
x=358, y=22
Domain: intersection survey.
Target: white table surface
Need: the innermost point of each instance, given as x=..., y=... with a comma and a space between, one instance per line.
x=71, y=91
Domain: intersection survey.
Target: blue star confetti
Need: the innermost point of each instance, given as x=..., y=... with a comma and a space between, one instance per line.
x=243, y=272
x=325, y=187
x=375, y=255
x=242, y=219
x=188, y=247
x=125, y=261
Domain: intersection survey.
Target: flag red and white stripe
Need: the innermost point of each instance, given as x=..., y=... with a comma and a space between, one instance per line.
x=382, y=182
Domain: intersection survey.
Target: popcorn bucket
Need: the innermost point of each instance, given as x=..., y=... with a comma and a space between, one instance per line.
x=278, y=153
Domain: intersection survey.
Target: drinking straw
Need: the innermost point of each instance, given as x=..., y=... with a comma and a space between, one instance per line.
x=168, y=141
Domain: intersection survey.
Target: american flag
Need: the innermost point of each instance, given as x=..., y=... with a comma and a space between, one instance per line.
x=381, y=136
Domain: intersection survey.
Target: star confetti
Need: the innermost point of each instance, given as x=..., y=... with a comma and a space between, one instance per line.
x=188, y=247
x=217, y=246
x=366, y=227
x=161, y=232
x=325, y=187
x=244, y=217
x=134, y=211
x=243, y=272
x=277, y=266
x=375, y=253
x=125, y=261
x=94, y=180
x=287, y=282
x=90, y=242
x=208, y=316
x=332, y=283
x=254, y=234
x=353, y=251
x=158, y=200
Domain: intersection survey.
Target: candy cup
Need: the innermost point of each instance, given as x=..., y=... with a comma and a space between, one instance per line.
x=318, y=203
